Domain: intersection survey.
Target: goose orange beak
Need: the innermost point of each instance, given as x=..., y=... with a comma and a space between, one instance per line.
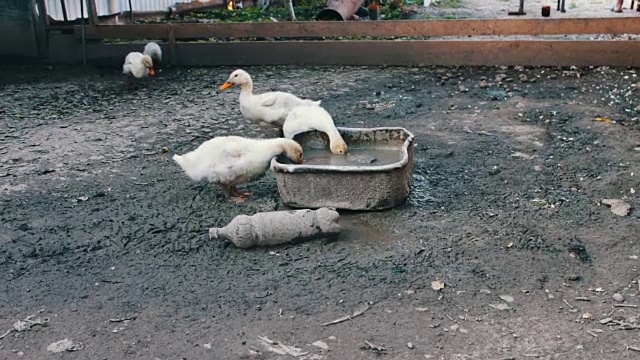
x=152, y=72
x=226, y=85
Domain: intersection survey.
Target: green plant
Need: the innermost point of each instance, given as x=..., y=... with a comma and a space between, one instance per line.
x=448, y=3
x=255, y=14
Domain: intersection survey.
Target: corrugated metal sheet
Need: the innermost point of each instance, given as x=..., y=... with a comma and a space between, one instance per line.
x=106, y=7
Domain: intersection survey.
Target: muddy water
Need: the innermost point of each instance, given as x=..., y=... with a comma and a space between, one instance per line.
x=355, y=157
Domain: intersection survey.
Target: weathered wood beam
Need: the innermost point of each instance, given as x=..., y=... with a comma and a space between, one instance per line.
x=393, y=53
x=475, y=27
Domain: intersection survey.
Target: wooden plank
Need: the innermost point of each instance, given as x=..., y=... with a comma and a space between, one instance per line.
x=394, y=53
x=474, y=27
x=407, y=53
x=125, y=32
x=471, y=27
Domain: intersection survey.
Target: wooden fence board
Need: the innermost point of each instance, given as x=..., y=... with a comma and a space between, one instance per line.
x=392, y=53
x=474, y=27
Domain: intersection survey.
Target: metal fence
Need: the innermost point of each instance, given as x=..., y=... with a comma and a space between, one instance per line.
x=105, y=7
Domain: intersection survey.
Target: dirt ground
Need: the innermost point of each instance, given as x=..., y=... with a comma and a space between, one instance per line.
x=500, y=8
x=97, y=223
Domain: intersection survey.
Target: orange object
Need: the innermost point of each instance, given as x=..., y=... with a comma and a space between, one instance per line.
x=226, y=85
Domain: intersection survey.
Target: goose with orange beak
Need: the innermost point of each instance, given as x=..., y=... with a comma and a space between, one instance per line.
x=270, y=108
x=230, y=161
x=138, y=65
x=306, y=118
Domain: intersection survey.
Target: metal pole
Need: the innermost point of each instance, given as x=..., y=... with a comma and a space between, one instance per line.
x=64, y=10
x=130, y=12
x=84, y=40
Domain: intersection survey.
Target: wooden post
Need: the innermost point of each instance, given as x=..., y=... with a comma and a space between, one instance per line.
x=40, y=26
x=84, y=40
x=93, y=12
x=42, y=11
x=172, y=45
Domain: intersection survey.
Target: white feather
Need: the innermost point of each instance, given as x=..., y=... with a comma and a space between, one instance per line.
x=306, y=118
x=232, y=160
x=270, y=107
x=154, y=51
x=133, y=64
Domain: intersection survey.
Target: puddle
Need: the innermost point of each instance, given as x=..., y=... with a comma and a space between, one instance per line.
x=358, y=232
x=355, y=157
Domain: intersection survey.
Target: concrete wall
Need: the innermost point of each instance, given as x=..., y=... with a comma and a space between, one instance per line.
x=17, y=35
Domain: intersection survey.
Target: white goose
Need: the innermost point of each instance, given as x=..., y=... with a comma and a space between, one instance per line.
x=269, y=108
x=232, y=160
x=138, y=64
x=306, y=118
x=155, y=53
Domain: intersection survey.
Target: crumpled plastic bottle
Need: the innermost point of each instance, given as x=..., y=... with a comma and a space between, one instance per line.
x=278, y=227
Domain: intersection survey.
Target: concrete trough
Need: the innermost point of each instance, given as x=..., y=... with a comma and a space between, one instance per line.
x=349, y=187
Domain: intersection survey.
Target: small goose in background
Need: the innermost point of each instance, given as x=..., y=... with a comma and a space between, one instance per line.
x=307, y=118
x=138, y=64
x=154, y=51
x=232, y=160
x=270, y=108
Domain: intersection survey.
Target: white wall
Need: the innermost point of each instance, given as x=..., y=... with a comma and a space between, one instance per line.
x=105, y=7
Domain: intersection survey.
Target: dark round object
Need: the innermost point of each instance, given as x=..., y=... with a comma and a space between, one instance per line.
x=546, y=11
x=329, y=15
x=362, y=12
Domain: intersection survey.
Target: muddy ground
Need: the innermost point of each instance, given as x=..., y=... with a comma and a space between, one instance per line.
x=97, y=223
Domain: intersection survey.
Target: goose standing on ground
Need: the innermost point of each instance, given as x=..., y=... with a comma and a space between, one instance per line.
x=154, y=51
x=232, y=160
x=270, y=108
x=307, y=118
x=138, y=64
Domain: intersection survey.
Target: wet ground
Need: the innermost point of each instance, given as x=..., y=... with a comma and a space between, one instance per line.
x=98, y=223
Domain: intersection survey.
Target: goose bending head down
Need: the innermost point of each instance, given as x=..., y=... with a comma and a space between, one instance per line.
x=307, y=118
x=232, y=160
x=138, y=64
